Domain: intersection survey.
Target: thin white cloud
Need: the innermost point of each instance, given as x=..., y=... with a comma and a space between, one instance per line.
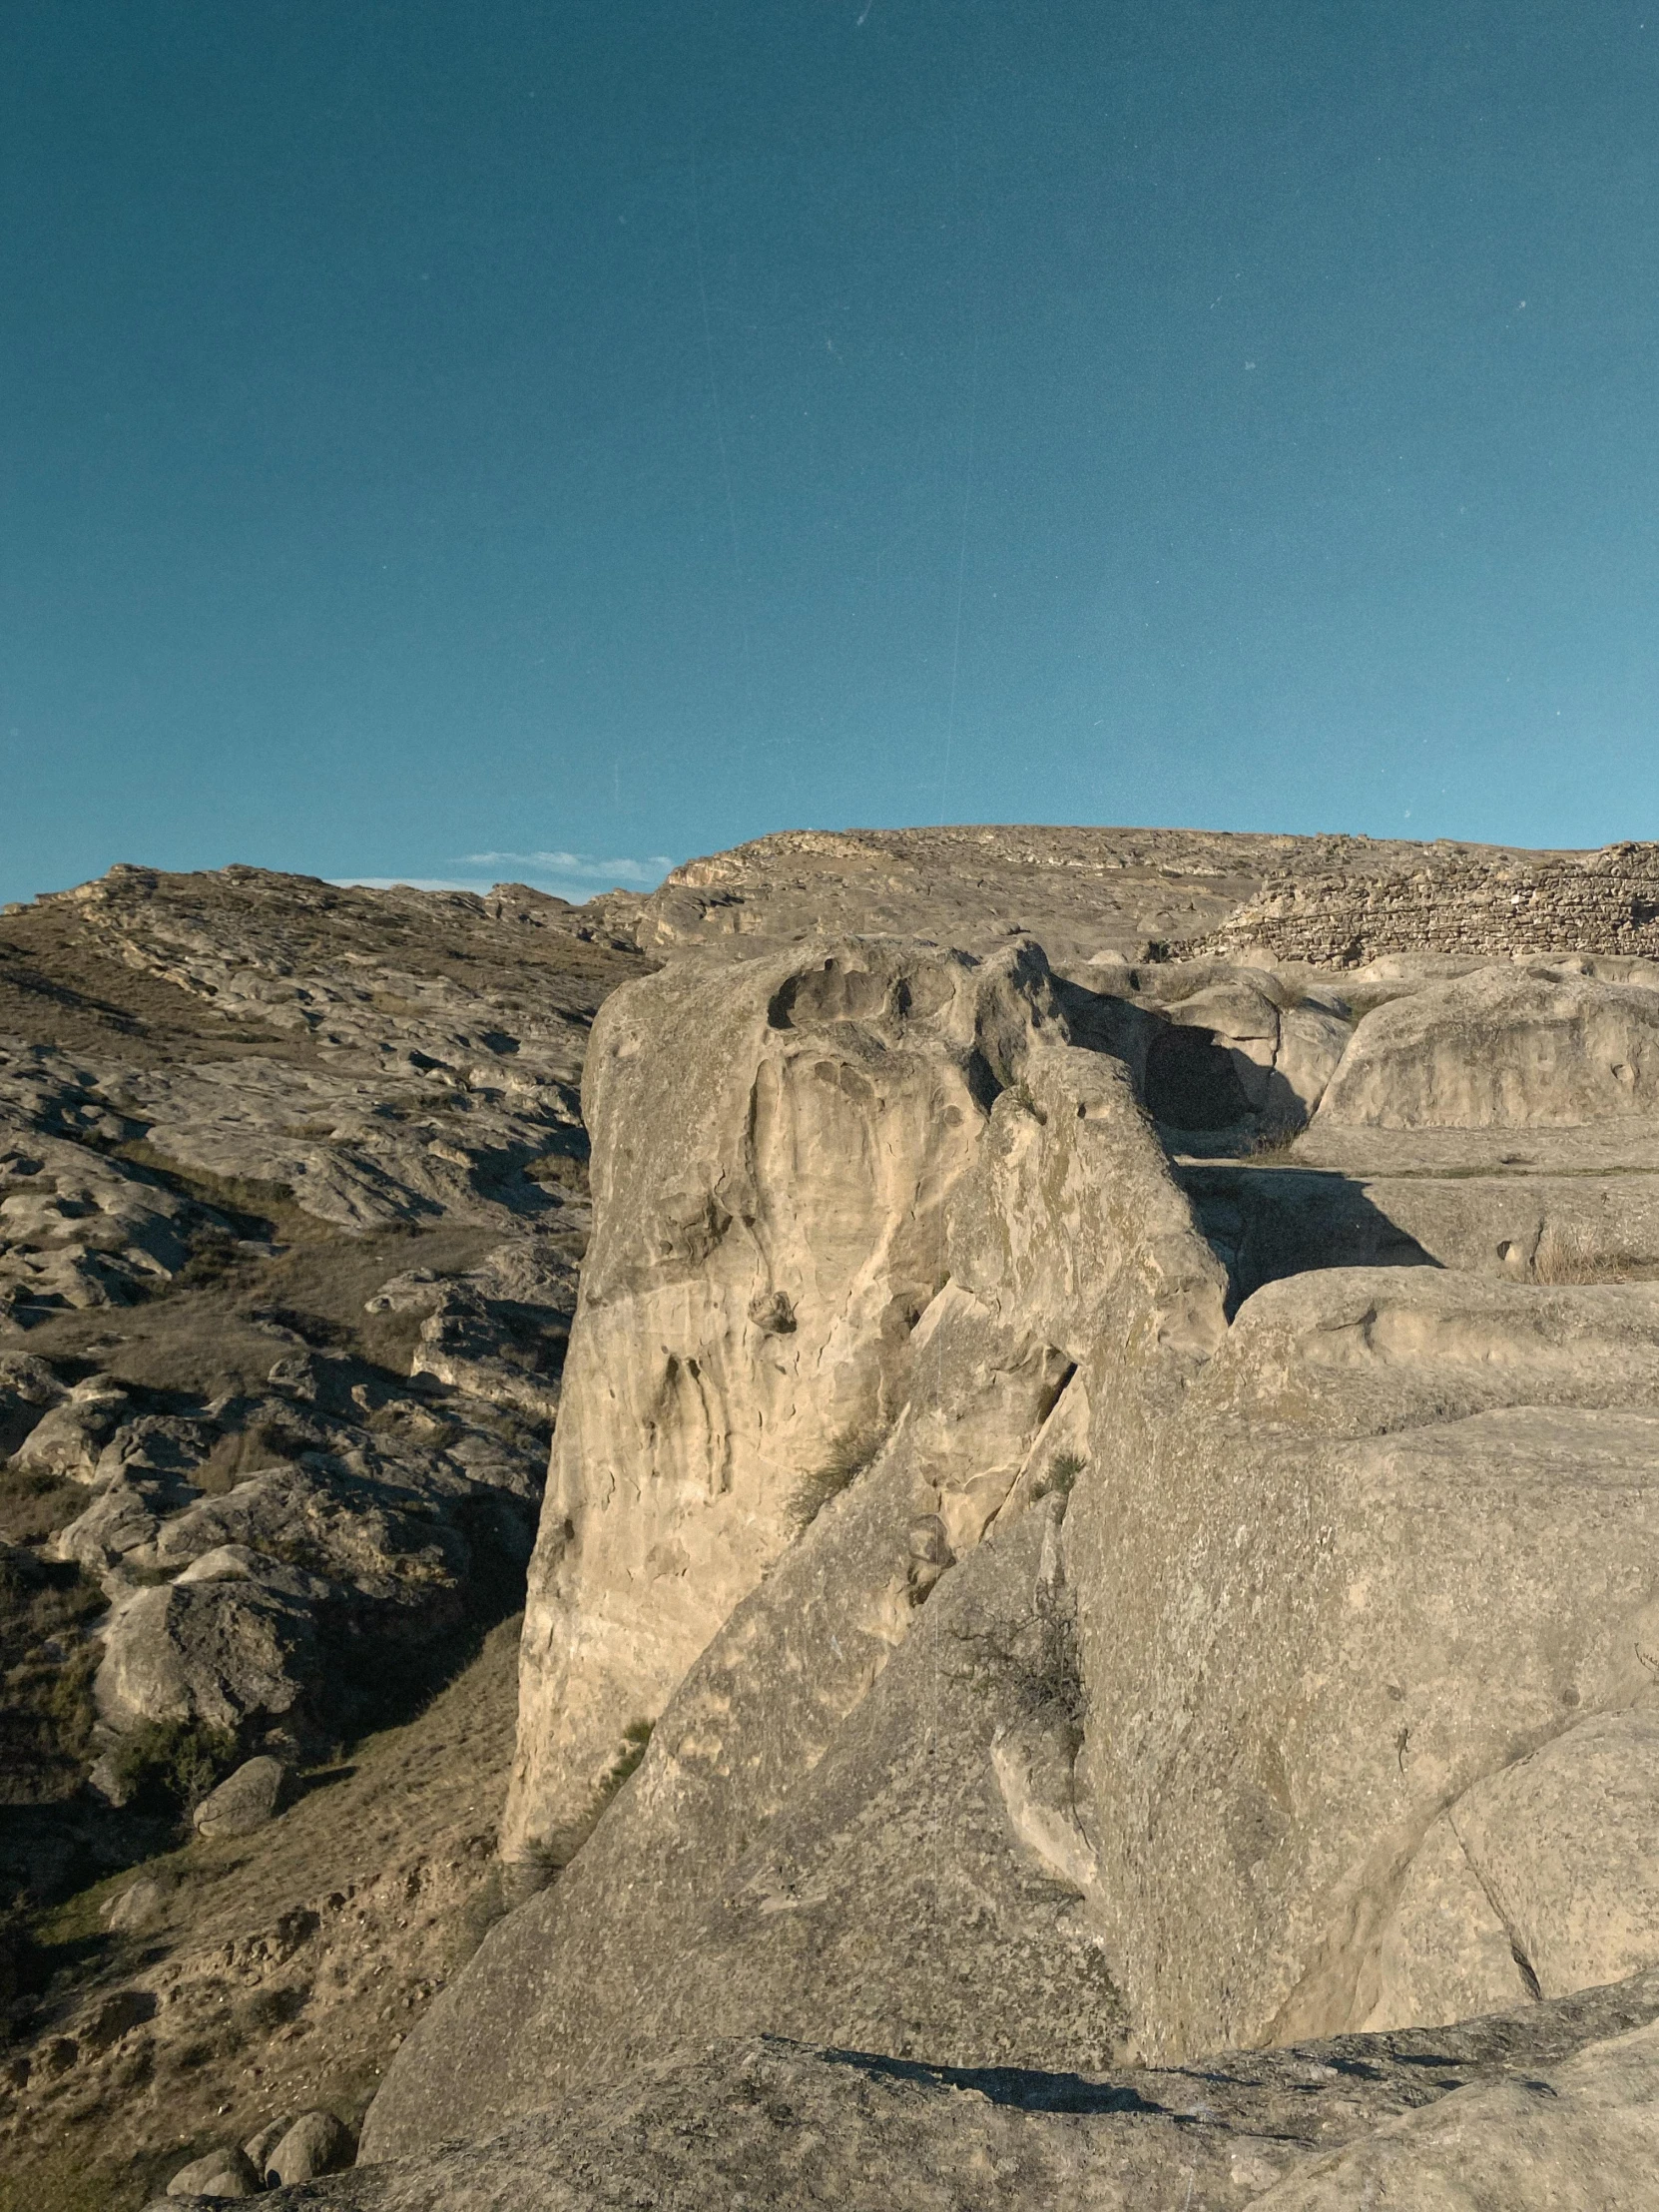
x=578, y=867
x=571, y=876
x=409, y=883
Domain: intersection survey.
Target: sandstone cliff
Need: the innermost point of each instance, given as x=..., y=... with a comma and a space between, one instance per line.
x=1220, y=1638
x=1098, y=1511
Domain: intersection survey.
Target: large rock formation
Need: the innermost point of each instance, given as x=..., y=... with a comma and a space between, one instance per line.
x=1099, y=1508
x=772, y=1169
x=1199, y=1659
x=1559, y=2107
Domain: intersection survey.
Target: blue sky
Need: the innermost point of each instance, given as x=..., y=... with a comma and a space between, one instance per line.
x=548, y=440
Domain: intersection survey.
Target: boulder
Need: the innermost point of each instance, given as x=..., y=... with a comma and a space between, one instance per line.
x=69, y=1437
x=258, y=2148
x=1504, y=1048
x=219, y=1652
x=244, y=1801
x=318, y=2143
x=1269, y=1221
x=139, y=1906
x=222, y=2173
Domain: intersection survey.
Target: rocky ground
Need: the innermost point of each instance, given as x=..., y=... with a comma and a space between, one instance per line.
x=1098, y=1513
x=292, y=1196
x=1491, y=2114
x=232, y=1982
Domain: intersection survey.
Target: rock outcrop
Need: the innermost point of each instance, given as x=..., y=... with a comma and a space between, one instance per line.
x=1525, y=2113
x=772, y=1160
x=1336, y=1569
x=1498, y=1049
x=1088, y=893
x=1099, y=1509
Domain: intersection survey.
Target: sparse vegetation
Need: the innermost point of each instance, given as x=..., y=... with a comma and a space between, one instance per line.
x=1274, y=1143
x=546, y=1857
x=1035, y=1656
x=845, y=1461
x=635, y=1738
x=1572, y=1255
x=212, y=1256
x=1058, y=1478
x=265, y=1444
x=46, y=1718
x=171, y=1766
x=486, y=1905
x=561, y=1170
x=257, y=1207
x=34, y=1503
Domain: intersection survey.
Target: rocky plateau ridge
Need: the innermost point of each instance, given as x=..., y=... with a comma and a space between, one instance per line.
x=1102, y=1390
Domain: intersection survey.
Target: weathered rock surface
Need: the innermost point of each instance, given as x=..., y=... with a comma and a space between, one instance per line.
x=1180, y=1766
x=1553, y=2108
x=1099, y=1506
x=1410, y=1593
x=773, y=1154
x=1118, y=893
x=1503, y=1050
x=318, y=2143
x=243, y=1802
x=222, y=2173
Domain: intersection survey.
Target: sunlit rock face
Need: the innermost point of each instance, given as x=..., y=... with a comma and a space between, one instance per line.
x=1183, y=1598
x=1101, y=1502
x=773, y=1154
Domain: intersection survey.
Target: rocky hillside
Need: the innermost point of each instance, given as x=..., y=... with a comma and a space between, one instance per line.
x=1139, y=894
x=1098, y=1513
x=292, y=1195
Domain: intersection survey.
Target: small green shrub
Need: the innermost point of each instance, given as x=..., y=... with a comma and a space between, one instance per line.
x=171, y=1766
x=1060, y=1476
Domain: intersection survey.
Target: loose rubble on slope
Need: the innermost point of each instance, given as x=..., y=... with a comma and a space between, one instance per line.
x=1098, y=1514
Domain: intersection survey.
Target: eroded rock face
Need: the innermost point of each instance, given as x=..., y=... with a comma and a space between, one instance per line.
x=1503, y=1050
x=1558, y=2105
x=773, y=1153
x=1271, y=1731
x=1040, y=1567
x=856, y=1807
x=1326, y=1598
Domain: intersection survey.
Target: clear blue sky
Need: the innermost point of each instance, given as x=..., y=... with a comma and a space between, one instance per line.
x=596, y=430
